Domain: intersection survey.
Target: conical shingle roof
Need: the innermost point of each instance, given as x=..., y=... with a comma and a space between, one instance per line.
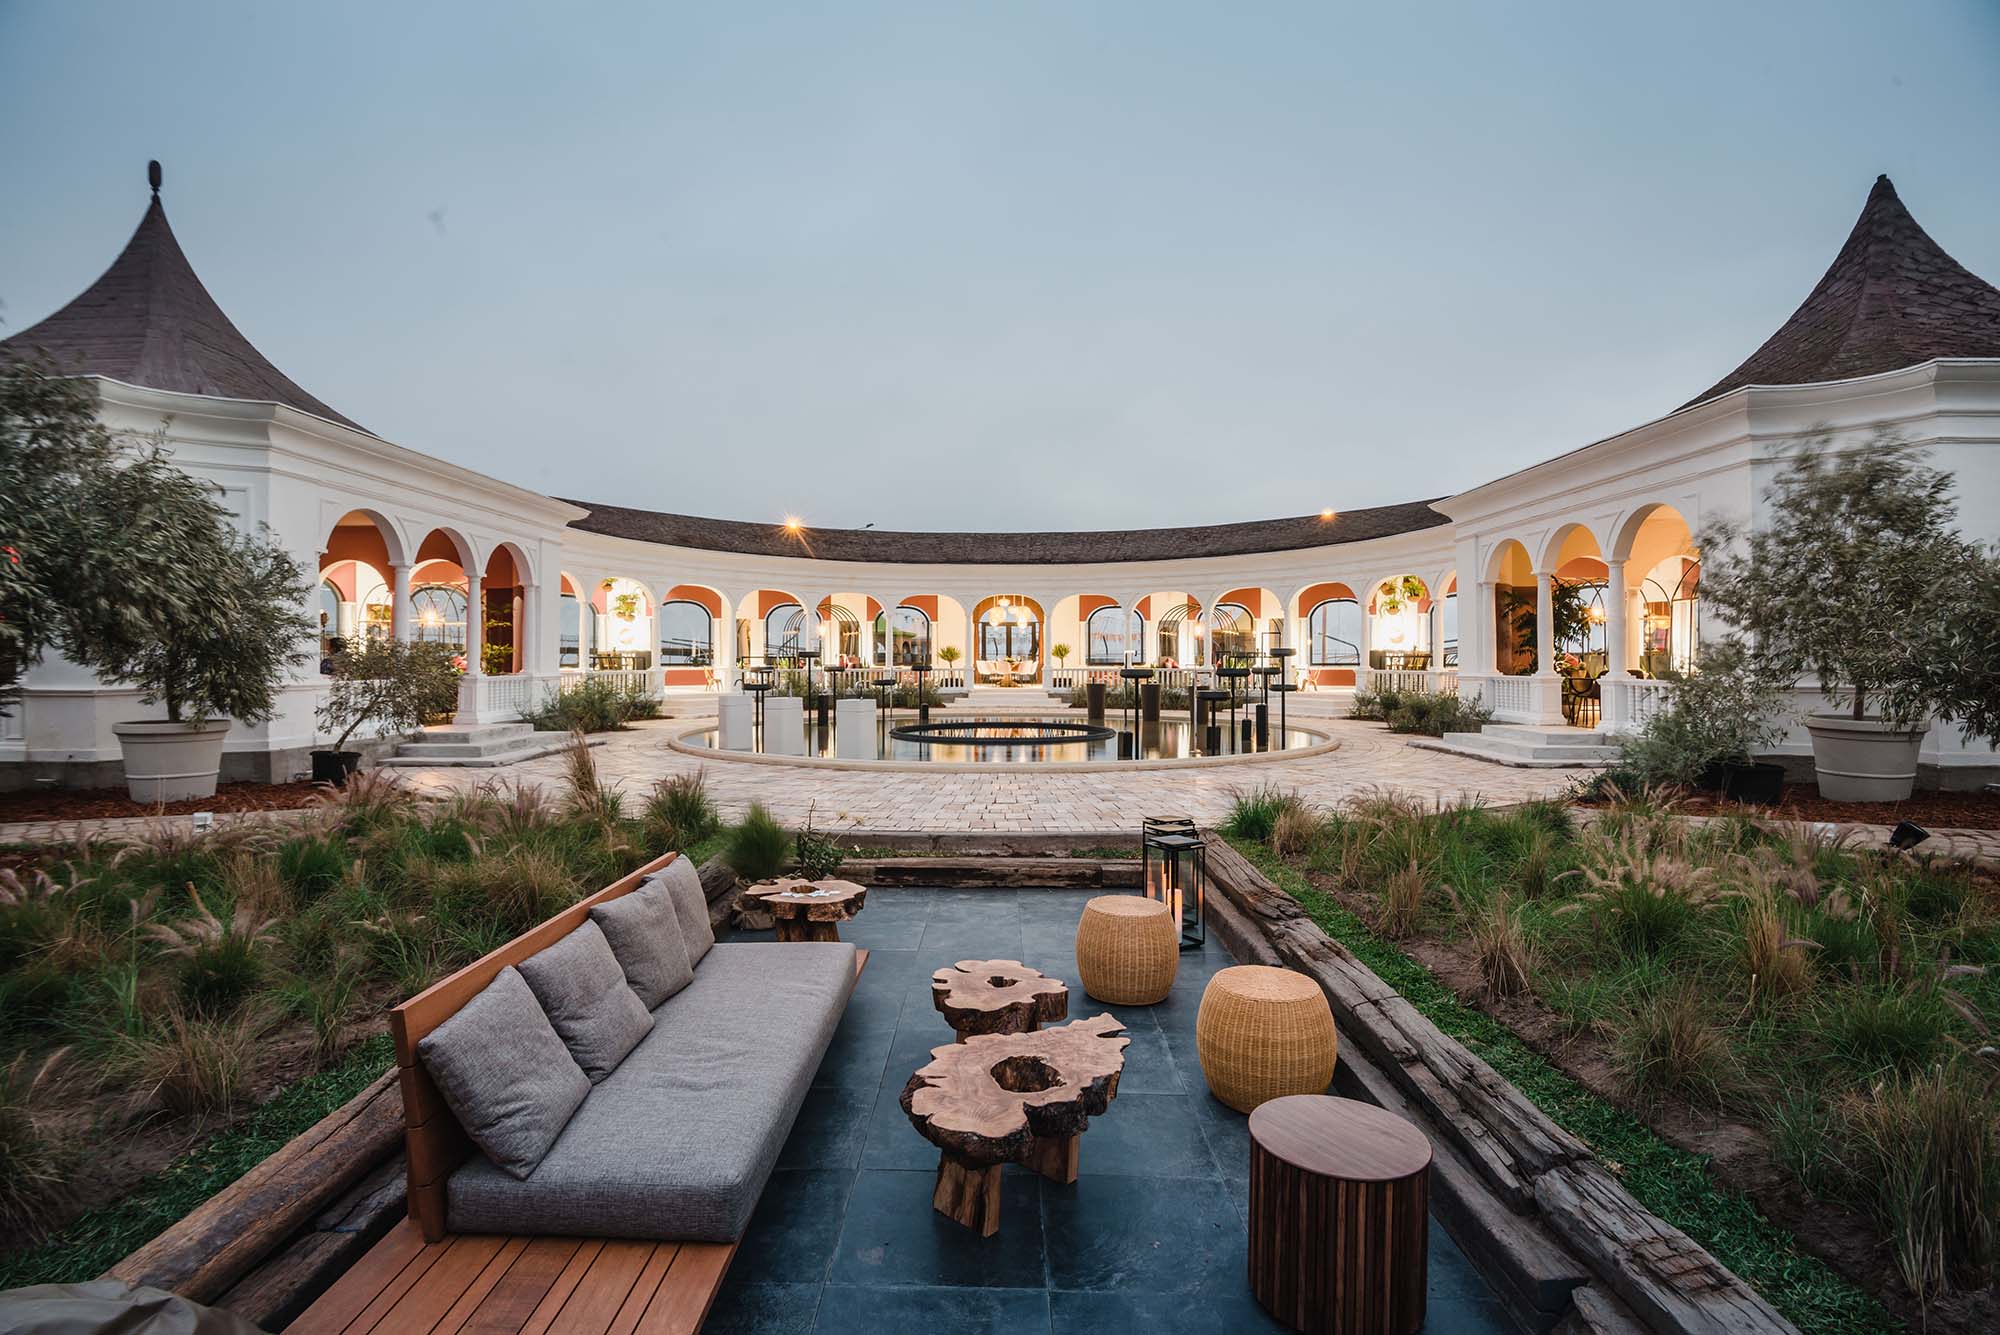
x=149, y=321
x=1891, y=299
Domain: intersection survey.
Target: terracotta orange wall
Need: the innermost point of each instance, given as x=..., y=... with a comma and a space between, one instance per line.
x=1091, y=602
x=686, y=676
x=1319, y=593
x=695, y=593
x=358, y=544
x=500, y=573
x=1251, y=600
x=343, y=578
x=445, y=571
x=438, y=547
x=1332, y=676
x=770, y=599
x=926, y=603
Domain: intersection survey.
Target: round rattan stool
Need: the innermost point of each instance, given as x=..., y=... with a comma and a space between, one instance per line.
x=1263, y=1033
x=1128, y=949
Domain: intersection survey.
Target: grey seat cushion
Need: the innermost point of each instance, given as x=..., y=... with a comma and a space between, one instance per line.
x=678, y=1142
x=505, y=1074
x=583, y=991
x=644, y=930
x=683, y=883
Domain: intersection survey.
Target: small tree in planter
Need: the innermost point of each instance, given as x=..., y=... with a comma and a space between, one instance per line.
x=388, y=683
x=1059, y=652
x=1852, y=580
x=948, y=656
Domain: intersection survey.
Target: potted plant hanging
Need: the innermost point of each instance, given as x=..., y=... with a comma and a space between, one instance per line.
x=396, y=686
x=1851, y=582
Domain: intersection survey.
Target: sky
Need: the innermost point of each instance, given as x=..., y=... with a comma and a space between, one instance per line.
x=994, y=265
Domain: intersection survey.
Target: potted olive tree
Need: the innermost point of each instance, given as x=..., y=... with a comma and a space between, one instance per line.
x=1852, y=580
x=391, y=684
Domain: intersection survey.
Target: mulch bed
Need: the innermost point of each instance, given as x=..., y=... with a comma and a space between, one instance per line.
x=58, y=804
x=1801, y=801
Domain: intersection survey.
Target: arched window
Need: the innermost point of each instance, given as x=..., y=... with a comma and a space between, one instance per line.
x=784, y=630
x=1232, y=634
x=440, y=614
x=1333, y=634
x=843, y=643
x=1581, y=615
x=1169, y=627
x=329, y=613
x=686, y=634
x=903, y=637
x=1112, y=634
x=1448, y=630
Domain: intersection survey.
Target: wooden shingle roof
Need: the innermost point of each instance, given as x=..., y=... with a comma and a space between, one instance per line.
x=1056, y=548
x=1892, y=298
x=149, y=321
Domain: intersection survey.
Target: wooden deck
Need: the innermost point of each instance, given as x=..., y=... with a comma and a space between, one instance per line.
x=530, y=1286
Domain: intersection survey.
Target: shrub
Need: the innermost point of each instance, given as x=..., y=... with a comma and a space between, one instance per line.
x=1777, y=962
x=589, y=800
x=680, y=813
x=1507, y=957
x=1722, y=714
x=757, y=845
x=193, y=1066
x=1667, y=1043
x=32, y=1168
x=1434, y=715
x=1403, y=900
x=592, y=705
x=220, y=963
x=323, y=1003
x=1921, y=1153
x=1897, y=1029
x=313, y=864
x=1374, y=706
x=1643, y=893
x=1254, y=815
x=1295, y=831
x=819, y=856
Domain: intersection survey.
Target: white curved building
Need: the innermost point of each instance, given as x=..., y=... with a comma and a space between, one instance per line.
x=1896, y=332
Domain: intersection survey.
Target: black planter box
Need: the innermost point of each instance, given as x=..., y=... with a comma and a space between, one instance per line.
x=1759, y=782
x=334, y=767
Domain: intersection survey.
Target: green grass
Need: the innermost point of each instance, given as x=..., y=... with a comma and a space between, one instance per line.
x=1671, y=1182
x=99, y=1239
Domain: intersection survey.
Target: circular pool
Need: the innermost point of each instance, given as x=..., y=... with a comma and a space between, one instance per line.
x=1015, y=741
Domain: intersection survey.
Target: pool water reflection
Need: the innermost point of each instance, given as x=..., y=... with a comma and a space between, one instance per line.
x=1032, y=741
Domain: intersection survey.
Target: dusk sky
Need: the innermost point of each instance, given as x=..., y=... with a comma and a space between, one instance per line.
x=994, y=266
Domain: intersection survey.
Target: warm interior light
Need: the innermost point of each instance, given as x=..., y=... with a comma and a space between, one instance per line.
x=430, y=617
x=1597, y=615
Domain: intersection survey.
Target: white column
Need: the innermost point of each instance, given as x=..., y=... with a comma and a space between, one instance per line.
x=475, y=633
x=722, y=646
x=542, y=632
x=1545, y=624
x=1617, y=648
x=403, y=612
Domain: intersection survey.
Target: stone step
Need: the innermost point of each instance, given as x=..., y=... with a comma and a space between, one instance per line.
x=478, y=746
x=471, y=734
x=1528, y=749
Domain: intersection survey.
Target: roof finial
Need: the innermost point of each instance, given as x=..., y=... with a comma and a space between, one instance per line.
x=153, y=174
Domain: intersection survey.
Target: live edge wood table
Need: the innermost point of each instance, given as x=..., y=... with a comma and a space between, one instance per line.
x=997, y=997
x=1339, y=1216
x=1011, y=1098
x=809, y=910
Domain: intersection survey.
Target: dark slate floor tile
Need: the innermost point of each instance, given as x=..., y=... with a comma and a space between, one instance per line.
x=855, y=1059
x=1143, y=1234
x=1149, y=1067
x=744, y=1308
x=1160, y=1313
x=893, y=970
x=891, y=1141
x=1136, y=1019
x=947, y=942
x=790, y=1234
x=1452, y=1275
x=850, y=1310
x=882, y=927
x=1146, y=1135
x=831, y=1127
x=892, y=1237
x=1467, y=1316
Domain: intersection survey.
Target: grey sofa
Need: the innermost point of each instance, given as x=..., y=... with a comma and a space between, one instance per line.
x=677, y=1142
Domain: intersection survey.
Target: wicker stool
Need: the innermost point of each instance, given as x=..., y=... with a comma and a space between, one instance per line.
x=1128, y=948
x=1263, y=1033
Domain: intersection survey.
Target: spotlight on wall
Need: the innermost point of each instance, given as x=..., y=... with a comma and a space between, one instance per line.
x=1907, y=835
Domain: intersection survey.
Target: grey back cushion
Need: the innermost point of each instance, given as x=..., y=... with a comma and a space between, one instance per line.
x=683, y=882
x=582, y=988
x=505, y=1074
x=645, y=935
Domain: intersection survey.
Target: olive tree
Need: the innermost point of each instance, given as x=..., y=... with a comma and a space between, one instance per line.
x=1853, y=578
x=133, y=568
x=394, y=685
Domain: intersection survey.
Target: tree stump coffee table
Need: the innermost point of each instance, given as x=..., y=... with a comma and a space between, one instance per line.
x=809, y=910
x=997, y=997
x=1339, y=1216
x=1011, y=1098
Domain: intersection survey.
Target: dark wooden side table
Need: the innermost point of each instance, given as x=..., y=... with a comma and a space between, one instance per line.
x=1339, y=1216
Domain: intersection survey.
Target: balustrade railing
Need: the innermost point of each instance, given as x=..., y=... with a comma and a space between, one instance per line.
x=506, y=697
x=1398, y=679
x=629, y=679
x=1630, y=701
x=1509, y=695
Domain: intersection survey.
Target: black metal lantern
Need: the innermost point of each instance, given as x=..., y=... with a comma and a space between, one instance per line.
x=1152, y=861
x=1184, y=869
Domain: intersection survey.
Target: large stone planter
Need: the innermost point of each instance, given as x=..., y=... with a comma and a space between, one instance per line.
x=171, y=762
x=1865, y=759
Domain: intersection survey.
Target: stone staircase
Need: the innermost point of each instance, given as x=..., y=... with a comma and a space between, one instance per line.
x=1030, y=699
x=1527, y=746
x=477, y=746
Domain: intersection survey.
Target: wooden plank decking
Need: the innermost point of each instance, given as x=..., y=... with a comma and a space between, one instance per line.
x=521, y=1286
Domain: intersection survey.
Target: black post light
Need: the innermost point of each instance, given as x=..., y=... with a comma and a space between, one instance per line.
x=1211, y=731
x=923, y=706
x=1284, y=686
